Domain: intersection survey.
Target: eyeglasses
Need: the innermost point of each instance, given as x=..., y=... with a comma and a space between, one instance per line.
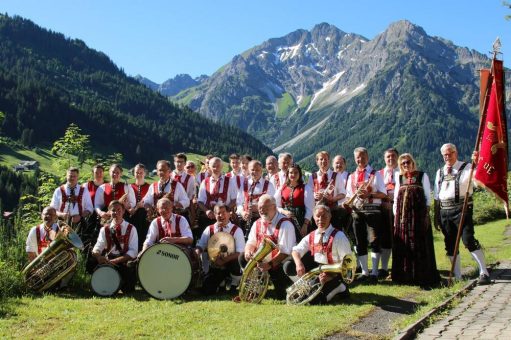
x=406, y=162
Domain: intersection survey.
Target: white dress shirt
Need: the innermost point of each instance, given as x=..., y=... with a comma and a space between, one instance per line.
x=31, y=243
x=258, y=189
x=56, y=200
x=340, y=247
x=239, y=238
x=153, y=234
x=190, y=186
x=286, y=239
x=99, y=198
x=180, y=195
x=377, y=184
x=447, y=188
x=232, y=190
x=338, y=185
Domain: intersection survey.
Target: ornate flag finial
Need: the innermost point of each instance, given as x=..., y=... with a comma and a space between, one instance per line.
x=496, y=46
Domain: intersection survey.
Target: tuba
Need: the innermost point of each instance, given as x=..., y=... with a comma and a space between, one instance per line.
x=308, y=286
x=254, y=282
x=55, y=262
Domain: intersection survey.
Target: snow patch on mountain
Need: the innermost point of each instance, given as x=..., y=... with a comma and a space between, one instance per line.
x=326, y=86
x=307, y=133
x=288, y=52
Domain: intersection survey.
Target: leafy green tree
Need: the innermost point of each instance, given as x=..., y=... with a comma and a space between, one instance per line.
x=507, y=4
x=74, y=143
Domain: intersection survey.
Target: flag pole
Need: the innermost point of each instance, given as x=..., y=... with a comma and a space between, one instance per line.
x=496, y=48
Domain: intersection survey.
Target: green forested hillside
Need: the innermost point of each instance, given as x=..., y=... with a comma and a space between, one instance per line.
x=48, y=81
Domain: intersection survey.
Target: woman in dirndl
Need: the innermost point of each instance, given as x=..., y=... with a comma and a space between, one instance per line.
x=296, y=200
x=413, y=253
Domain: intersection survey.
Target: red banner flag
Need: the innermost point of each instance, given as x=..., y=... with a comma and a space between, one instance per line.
x=491, y=169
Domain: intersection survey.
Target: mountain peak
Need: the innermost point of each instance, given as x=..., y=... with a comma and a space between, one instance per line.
x=403, y=28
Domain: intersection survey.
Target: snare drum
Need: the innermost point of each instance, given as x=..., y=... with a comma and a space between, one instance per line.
x=106, y=280
x=166, y=271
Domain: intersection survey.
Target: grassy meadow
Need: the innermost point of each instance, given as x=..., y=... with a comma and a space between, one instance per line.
x=81, y=315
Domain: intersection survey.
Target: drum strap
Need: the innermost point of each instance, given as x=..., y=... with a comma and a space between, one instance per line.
x=111, y=236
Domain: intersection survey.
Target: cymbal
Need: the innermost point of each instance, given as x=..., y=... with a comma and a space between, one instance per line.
x=221, y=243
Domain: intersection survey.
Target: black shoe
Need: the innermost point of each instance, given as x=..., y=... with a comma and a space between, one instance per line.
x=358, y=270
x=367, y=279
x=383, y=274
x=363, y=279
x=344, y=295
x=484, y=280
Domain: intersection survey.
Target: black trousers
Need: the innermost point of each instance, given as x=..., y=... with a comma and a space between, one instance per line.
x=309, y=264
x=365, y=228
x=385, y=228
x=279, y=279
x=139, y=220
x=450, y=219
x=203, y=222
x=215, y=276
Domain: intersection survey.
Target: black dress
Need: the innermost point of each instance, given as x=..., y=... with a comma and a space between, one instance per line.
x=413, y=253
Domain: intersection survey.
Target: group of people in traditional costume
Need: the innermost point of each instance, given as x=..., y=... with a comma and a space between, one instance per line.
x=377, y=214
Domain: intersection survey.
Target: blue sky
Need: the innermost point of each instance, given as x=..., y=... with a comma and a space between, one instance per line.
x=159, y=39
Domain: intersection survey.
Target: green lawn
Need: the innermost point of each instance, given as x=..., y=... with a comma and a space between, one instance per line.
x=79, y=315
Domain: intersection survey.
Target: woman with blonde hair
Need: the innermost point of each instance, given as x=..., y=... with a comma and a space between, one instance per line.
x=413, y=253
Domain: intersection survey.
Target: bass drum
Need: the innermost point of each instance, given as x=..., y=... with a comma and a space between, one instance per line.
x=166, y=271
x=106, y=280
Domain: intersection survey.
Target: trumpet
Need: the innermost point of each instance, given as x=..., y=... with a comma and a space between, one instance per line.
x=308, y=286
x=254, y=282
x=356, y=202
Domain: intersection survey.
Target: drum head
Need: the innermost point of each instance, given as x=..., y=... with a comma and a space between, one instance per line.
x=105, y=280
x=164, y=271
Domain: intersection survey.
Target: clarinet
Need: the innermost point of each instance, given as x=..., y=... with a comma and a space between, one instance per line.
x=292, y=209
x=249, y=219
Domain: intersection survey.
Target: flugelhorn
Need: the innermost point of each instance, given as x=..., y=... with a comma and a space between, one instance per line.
x=308, y=286
x=55, y=262
x=254, y=282
x=356, y=202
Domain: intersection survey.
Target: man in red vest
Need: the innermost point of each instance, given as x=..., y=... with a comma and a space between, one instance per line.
x=117, y=244
x=214, y=189
x=281, y=231
x=40, y=237
x=168, y=227
x=70, y=200
x=251, y=189
x=327, y=188
x=226, y=266
x=388, y=173
x=366, y=187
x=325, y=245
x=165, y=186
